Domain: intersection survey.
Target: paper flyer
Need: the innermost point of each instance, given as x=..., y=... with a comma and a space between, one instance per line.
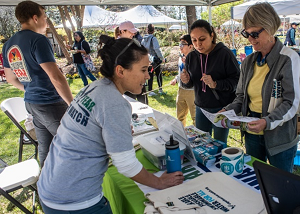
x=228, y=119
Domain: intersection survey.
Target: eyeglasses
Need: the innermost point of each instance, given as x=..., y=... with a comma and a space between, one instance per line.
x=254, y=35
x=181, y=45
x=75, y=35
x=135, y=41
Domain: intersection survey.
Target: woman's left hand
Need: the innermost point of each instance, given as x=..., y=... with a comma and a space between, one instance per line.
x=257, y=126
x=207, y=79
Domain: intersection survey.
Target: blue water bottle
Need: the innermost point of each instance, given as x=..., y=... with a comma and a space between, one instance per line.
x=173, y=155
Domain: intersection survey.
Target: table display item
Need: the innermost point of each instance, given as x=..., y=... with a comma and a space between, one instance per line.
x=173, y=155
x=153, y=148
x=232, y=162
x=212, y=192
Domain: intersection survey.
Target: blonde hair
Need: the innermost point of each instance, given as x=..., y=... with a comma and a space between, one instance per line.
x=263, y=15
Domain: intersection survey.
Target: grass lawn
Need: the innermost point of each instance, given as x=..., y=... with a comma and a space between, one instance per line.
x=9, y=133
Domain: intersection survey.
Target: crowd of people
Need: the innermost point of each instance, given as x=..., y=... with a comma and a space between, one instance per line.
x=81, y=132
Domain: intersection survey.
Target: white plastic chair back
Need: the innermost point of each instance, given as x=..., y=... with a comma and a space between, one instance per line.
x=16, y=107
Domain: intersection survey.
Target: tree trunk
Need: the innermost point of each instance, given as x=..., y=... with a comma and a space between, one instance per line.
x=78, y=17
x=68, y=31
x=69, y=18
x=59, y=41
x=191, y=16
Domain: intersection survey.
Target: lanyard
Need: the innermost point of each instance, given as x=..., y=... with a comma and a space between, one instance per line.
x=203, y=71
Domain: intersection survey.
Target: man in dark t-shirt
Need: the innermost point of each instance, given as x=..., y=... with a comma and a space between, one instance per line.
x=30, y=66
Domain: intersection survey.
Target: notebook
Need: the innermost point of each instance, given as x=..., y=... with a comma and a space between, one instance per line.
x=280, y=189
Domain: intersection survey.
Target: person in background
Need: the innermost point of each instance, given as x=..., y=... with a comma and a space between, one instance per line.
x=138, y=36
x=30, y=66
x=107, y=115
x=82, y=47
x=127, y=30
x=214, y=72
x=152, y=45
x=185, y=97
x=274, y=135
x=291, y=35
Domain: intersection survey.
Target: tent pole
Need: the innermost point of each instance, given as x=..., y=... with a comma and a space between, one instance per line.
x=283, y=26
x=231, y=20
x=209, y=14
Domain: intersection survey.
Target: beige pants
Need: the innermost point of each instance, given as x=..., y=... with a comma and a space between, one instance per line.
x=185, y=102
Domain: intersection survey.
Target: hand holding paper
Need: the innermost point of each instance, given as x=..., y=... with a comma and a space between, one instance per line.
x=228, y=119
x=257, y=126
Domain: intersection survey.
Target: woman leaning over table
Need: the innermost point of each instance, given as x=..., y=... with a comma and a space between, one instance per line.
x=82, y=47
x=214, y=72
x=97, y=125
x=274, y=135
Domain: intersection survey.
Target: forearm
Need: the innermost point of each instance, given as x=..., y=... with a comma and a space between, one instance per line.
x=58, y=80
x=12, y=79
x=61, y=85
x=148, y=179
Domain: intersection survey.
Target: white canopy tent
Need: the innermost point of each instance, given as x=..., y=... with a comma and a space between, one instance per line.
x=282, y=7
x=231, y=23
x=140, y=16
x=143, y=15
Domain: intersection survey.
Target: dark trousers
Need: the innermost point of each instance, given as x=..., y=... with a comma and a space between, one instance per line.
x=139, y=97
x=102, y=207
x=46, y=119
x=158, y=75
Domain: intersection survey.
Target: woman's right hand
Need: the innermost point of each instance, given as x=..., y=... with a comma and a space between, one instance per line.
x=170, y=179
x=173, y=82
x=222, y=110
x=184, y=76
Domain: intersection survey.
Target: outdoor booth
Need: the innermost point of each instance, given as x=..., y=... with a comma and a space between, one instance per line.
x=216, y=184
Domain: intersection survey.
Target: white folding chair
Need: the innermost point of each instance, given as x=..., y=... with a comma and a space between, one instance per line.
x=18, y=176
x=15, y=109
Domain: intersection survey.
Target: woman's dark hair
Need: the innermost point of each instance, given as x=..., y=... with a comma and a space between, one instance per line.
x=186, y=38
x=81, y=36
x=204, y=24
x=111, y=49
x=150, y=29
x=25, y=10
x=117, y=32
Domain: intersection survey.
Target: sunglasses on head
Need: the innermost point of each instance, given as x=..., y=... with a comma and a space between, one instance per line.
x=135, y=41
x=254, y=35
x=181, y=45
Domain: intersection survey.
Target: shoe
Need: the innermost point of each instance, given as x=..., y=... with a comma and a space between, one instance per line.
x=151, y=94
x=161, y=92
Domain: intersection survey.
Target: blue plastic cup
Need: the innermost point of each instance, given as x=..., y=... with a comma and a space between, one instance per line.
x=233, y=51
x=248, y=50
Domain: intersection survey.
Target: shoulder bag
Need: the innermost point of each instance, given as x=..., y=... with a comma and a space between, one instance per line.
x=87, y=60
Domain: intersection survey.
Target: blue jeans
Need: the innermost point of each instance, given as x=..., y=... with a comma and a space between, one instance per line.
x=46, y=119
x=255, y=146
x=102, y=207
x=83, y=72
x=204, y=124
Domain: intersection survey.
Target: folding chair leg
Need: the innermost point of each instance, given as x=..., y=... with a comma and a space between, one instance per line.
x=20, y=147
x=15, y=202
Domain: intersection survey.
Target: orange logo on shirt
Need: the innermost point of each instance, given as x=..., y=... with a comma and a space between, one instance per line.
x=17, y=64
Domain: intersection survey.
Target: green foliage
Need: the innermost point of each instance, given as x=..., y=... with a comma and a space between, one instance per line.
x=8, y=22
x=220, y=14
x=166, y=38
